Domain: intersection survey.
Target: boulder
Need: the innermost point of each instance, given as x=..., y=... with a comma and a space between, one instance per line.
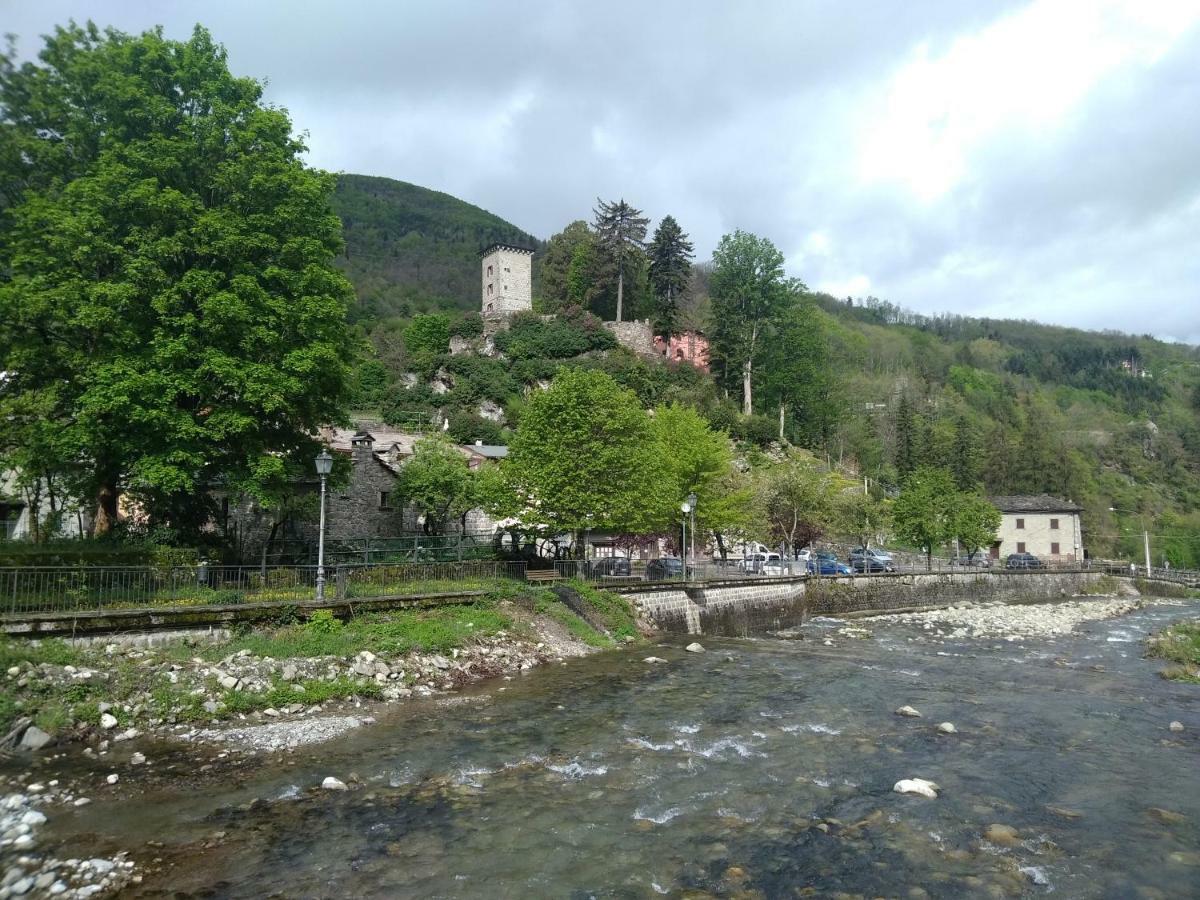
x=333, y=784
x=917, y=786
x=1002, y=835
x=229, y=682
x=34, y=738
x=654, y=659
x=289, y=672
x=138, y=759
x=1165, y=816
x=1175, y=726
x=108, y=721
x=694, y=648
x=908, y=712
x=947, y=728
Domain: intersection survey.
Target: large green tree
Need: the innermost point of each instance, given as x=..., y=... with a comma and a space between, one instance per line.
x=621, y=233
x=167, y=297
x=437, y=482
x=748, y=294
x=925, y=513
x=585, y=457
x=796, y=500
x=975, y=522
x=697, y=459
x=568, y=269
x=670, y=273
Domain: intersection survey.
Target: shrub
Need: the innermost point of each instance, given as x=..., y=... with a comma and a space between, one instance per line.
x=467, y=428
x=323, y=621
x=469, y=326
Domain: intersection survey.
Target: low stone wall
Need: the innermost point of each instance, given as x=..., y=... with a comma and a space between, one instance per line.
x=741, y=607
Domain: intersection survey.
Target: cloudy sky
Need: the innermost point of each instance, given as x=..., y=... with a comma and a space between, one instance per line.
x=1020, y=159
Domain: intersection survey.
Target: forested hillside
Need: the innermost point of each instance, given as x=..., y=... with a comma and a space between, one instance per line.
x=1111, y=421
x=411, y=250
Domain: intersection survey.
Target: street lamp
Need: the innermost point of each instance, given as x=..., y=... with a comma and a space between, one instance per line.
x=1145, y=533
x=688, y=507
x=324, y=463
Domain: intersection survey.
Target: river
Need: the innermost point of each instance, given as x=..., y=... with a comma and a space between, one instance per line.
x=761, y=767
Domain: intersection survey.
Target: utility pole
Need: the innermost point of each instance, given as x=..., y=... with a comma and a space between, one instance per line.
x=1146, y=541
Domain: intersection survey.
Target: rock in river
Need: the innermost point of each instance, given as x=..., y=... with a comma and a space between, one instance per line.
x=947, y=728
x=1001, y=835
x=654, y=659
x=917, y=786
x=694, y=648
x=1176, y=726
x=333, y=784
x=909, y=712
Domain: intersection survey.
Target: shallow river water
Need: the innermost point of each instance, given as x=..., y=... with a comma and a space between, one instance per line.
x=761, y=767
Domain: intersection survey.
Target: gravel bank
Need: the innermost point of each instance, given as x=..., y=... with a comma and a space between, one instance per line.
x=1013, y=622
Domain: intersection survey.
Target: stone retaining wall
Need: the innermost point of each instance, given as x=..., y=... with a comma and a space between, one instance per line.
x=739, y=608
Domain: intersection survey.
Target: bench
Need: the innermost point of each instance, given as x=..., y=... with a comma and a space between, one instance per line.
x=541, y=575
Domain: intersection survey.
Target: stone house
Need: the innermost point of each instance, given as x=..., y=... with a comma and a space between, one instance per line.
x=1045, y=526
x=690, y=347
x=365, y=507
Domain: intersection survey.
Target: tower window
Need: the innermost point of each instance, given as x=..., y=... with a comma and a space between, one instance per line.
x=489, y=271
x=489, y=290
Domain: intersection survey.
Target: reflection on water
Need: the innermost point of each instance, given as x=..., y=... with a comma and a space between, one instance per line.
x=761, y=767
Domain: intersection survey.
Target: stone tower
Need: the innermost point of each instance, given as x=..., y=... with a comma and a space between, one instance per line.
x=507, y=280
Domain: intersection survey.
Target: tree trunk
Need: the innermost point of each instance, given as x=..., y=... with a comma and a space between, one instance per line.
x=747, y=398
x=721, y=546
x=107, y=500
x=620, y=291
x=781, y=409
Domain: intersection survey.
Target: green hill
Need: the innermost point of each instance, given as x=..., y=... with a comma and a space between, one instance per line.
x=1107, y=419
x=411, y=250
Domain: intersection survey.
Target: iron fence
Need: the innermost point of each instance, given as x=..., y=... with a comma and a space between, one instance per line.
x=42, y=589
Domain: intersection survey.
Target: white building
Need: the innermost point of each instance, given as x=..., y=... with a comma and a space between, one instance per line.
x=506, y=271
x=1039, y=524
x=16, y=516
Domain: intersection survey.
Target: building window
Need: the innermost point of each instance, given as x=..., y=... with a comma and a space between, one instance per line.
x=1054, y=549
x=10, y=514
x=385, y=499
x=1020, y=546
x=1054, y=524
x=489, y=271
x=507, y=269
x=1021, y=524
x=489, y=290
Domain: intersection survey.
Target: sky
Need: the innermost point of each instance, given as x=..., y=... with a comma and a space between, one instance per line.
x=1036, y=160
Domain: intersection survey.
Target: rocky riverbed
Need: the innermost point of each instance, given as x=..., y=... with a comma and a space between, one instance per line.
x=1012, y=622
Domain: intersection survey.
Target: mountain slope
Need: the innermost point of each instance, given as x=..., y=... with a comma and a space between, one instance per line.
x=410, y=249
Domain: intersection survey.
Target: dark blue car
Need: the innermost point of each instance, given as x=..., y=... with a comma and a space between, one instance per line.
x=825, y=563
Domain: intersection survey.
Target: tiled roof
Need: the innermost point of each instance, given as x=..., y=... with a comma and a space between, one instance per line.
x=1033, y=503
x=491, y=451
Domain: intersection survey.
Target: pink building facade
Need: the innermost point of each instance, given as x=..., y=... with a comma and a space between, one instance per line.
x=690, y=347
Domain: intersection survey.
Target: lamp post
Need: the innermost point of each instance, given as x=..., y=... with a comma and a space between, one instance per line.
x=324, y=464
x=1145, y=534
x=688, y=508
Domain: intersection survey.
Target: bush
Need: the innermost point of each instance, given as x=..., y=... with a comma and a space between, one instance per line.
x=757, y=430
x=570, y=334
x=323, y=621
x=469, y=326
x=467, y=428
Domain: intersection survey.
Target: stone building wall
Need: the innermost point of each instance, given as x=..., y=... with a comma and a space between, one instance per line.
x=637, y=336
x=506, y=281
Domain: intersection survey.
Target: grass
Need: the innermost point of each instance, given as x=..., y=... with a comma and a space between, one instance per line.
x=55, y=706
x=1180, y=645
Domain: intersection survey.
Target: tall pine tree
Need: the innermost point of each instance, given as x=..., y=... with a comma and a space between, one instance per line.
x=621, y=231
x=670, y=273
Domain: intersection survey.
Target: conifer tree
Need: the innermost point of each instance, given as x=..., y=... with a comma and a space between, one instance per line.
x=621, y=231
x=670, y=273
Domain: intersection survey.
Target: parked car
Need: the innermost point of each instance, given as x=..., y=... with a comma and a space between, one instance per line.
x=826, y=562
x=977, y=560
x=611, y=567
x=1023, y=561
x=865, y=559
x=761, y=564
x=663, y=568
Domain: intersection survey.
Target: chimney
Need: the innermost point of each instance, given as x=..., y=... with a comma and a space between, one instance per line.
x=479, y=443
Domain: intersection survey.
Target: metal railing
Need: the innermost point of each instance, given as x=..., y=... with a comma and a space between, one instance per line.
x=52, y=589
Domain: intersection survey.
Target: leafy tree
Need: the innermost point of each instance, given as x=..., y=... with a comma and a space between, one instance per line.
x=748, y=294
x=925, y=513
x=696, y=459
x=975, y=522
x=795, y=499
x=621, y=233
x=427, y=336
x=437, y=482
x=568, y=268
x=167, y=294
x=861, y=515
x=670, y=273
x=585, y=457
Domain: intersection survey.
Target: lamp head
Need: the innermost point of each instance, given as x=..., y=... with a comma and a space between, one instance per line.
x=324, y=463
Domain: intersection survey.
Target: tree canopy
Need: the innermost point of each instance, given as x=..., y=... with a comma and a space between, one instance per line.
x=168, y=303
x=621, y=234
x=584, y=457
x=670, y=273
